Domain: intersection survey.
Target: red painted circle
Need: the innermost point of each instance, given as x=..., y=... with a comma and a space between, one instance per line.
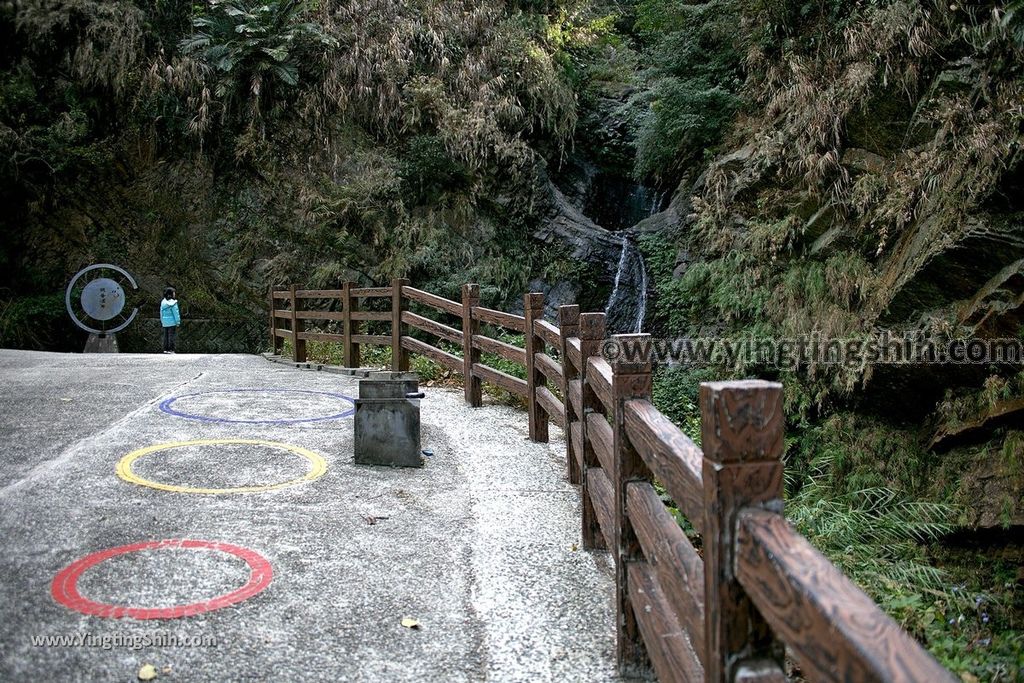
x=65, y=585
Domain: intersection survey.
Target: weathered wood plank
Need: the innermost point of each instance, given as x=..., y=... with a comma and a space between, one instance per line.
x=448, y=360
x=433, y=327
x=500, y=318
x=548, y=332
x=372, y=339
x=572, y=347
x=592, y=334
x=576, y=395
x=672, y=457
x=500, y=348
x=298, y=343
x=599, y=486
x=275, y=345
x=321, y=315
x=470, y=355
x=499, y=378
x=371, y=292
x=282, y=294
x=667, y=549
x=371, y=315
x=399, y=357
x=551, y=405
x=283, y=333
x=832, y=628
x=670, y=651
x=631, y=379
x=599, y=375
x=533, y=310
x=599, y=433
x=577, y=443
x=569, y=326
x=549, y=366
x=318, y=293
x=322, y=336
x=742, y=433
x=432, y=300
x=349, y=350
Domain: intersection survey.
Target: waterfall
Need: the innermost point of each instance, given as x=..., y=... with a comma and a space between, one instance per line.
x=623, y=253
x=657, y=200
x=641, y=309
x=627, y=304
x=618, y=203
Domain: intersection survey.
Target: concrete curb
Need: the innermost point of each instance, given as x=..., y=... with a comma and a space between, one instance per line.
x=319, y=367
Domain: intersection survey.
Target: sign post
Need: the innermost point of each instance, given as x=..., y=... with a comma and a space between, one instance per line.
x=99, y=290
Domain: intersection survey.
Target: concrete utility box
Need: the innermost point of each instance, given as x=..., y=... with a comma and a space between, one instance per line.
x=387, y=421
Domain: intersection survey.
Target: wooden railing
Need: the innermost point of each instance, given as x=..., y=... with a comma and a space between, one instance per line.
x=299, y=308
x=726, y=613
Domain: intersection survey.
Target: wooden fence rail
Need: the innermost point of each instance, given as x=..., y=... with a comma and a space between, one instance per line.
x=726, y=613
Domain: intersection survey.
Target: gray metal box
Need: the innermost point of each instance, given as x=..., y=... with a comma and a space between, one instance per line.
x=387, y=421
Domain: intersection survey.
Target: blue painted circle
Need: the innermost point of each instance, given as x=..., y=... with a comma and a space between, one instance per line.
x=167, y=406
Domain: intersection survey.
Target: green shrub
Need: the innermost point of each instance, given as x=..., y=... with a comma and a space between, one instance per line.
x=257, y=49
x=430, y=171
x=676, y=393
x=693, y=80
x=686, y=117
x=38, y=322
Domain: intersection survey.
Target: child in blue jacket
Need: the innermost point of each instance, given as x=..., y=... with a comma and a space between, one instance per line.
x=170, y=318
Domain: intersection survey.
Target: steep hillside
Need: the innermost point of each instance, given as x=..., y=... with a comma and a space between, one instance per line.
x=773, y=170
x=871, y=181
x=228, y=146
x=867, y=177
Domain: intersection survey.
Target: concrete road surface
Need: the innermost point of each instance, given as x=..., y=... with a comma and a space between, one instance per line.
x=307, y=575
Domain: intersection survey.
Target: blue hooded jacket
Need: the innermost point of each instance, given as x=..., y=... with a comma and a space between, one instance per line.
x=170, y=316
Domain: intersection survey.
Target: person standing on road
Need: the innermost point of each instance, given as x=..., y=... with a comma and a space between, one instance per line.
x=170, y=318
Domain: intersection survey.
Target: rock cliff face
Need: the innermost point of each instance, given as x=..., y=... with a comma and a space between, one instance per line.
x=563, y=221
x=623, y=206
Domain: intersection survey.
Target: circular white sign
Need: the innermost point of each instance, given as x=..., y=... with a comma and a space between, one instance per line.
x=102, y=299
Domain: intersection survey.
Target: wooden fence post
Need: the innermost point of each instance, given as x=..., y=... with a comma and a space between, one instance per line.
x=470, y=355
x=346, y=321
x=533, y=309
x=399, y=356
x=568, y=327
x=742, y=427
x=275, y=343
x=591, y=336
x=631, y=379
x=350, y=351
x=298, y=326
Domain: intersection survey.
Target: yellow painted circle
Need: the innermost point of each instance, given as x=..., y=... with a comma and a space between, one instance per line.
x=125, y=471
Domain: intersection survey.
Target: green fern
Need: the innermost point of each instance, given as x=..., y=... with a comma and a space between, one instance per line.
x=254, y=48
x=874, y=535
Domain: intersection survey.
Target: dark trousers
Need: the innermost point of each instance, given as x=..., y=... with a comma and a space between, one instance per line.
x=170, y=337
